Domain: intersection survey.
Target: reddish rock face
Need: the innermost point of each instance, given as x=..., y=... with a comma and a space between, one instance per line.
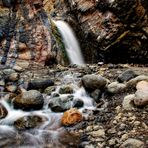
x=31, y=32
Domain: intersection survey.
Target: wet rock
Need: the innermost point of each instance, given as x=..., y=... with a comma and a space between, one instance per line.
x=96, y=94
x=40, y=84
x=116, y=87
x=28, y=122
x=92, y=82
x=133, y=143
x=49, y=90
x=128, y=102
x=141, y=95
x=67, y=89
x=8, y=136
x=3, y=111
x=29, y=100
x=60, y=104
x=126, y=76
x=78, y=103
x=71, y=117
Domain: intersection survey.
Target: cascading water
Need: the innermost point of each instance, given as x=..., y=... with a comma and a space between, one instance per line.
x=49, y=132
x=71, y=44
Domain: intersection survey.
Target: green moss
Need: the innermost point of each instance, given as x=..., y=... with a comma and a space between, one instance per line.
x=57, y=36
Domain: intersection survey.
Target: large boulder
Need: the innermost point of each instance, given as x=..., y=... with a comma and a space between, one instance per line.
x=29, y=100
x=92, y=82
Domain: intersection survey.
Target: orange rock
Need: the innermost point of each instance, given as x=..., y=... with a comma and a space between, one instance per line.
x=71, y=117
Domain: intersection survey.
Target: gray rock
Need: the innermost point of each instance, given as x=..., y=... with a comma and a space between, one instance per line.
x=132, y=143
x=128, y=102
x=116, y=87
x=66, y=89
x=60, y=104
x=29, y=100
x=96, y=94
x=126, y=76
x=40, y=84
x=92, y=82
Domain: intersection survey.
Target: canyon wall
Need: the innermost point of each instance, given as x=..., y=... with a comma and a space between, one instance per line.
x=108, y=30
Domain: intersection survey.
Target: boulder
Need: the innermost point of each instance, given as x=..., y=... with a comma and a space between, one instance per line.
x=116, y=87
x=126, y=76
x=60, y=104
x=92, y=82
x=28, y=122
x=40, y=84
x=29, y=100
x=71, y=117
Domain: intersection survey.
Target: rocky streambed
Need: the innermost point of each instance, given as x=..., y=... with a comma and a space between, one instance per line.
x=100, y=105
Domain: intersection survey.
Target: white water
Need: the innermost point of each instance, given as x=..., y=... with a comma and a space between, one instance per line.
x=71, y=44
x=51, y=128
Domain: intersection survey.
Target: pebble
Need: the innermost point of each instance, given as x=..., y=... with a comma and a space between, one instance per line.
x=98, y=133
x=124, y=137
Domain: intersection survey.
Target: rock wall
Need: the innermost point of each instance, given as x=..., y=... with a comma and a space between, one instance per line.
x=109, y=30
x=27, y=33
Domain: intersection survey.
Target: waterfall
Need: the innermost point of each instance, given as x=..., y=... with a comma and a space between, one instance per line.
x=71, y=44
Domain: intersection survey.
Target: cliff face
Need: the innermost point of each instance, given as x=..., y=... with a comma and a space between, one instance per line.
x=111, y=30
x=27, y=33
x=108, y=30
